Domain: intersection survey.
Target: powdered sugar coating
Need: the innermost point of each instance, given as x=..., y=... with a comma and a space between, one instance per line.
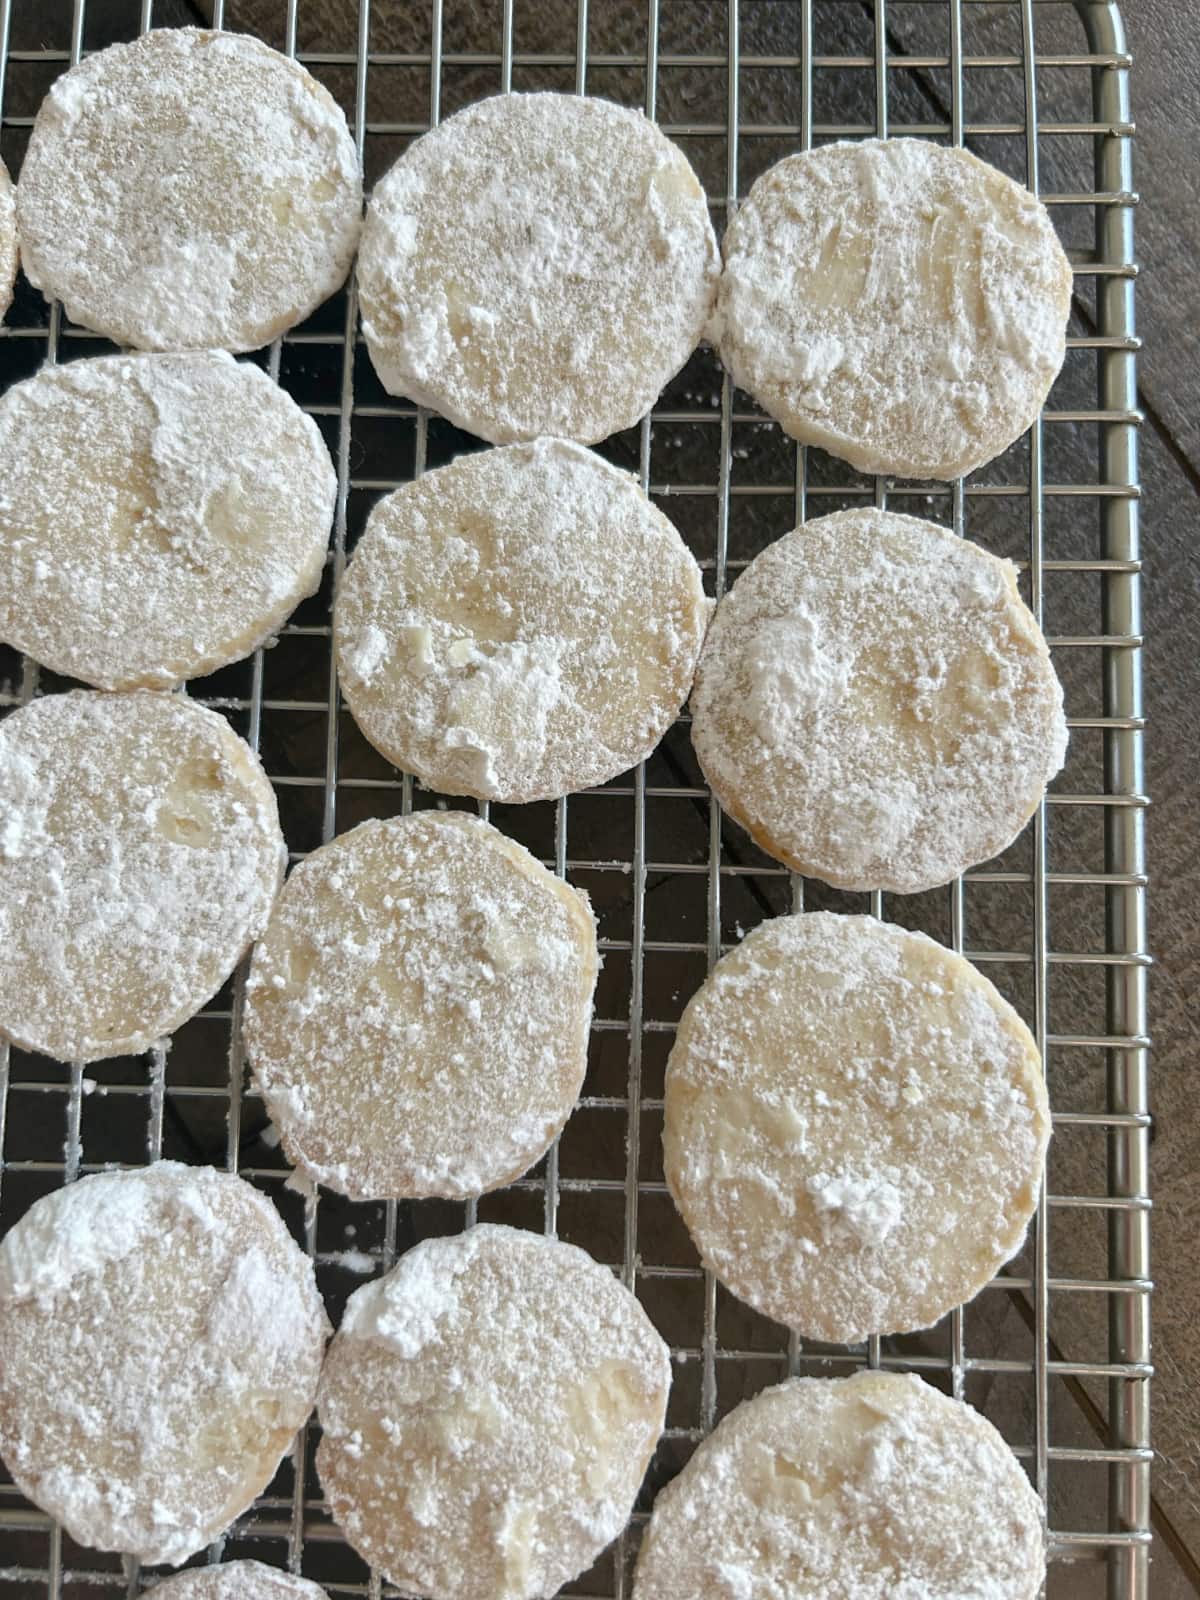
x=189, y=190
x=417, y=1014
x=161, y=1339
x=488, y=1410
x=237, y=1580
x=140, y=853
x=160, y=515
x=899, y=303
x=855, y=1126
x=8, y=239
x=876, y=704
x=537, y=264
x=519, y=624
x=875, y=1487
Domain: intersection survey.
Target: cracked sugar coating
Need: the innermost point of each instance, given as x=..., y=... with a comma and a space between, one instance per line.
x=538, y=264
x=189, y=190
x=855, y=1126
x=875, y=1487
x=519, y=624
x=875, y=703
x=140, y=853
x=488, y=1410
x=899, y=303
x=417, y=1014
x=160, y=1342
x=237, y=1580
x=160, y=516
x=8, y=239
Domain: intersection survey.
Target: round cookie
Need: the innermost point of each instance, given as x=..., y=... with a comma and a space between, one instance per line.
x=518, y=625
x=140, y=853
x=417, y=1013
x=237, y=1580
x=189, y=190
x=161, y=1339
x=537, y=264
x=162, y=515
x=488, y=1410
x=8, y=239
x=855, y=1126
x=875, y=703
x=874, y=1487
x=899, y=303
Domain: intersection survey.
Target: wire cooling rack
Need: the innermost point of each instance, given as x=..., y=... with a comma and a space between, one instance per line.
x=1056, y=1350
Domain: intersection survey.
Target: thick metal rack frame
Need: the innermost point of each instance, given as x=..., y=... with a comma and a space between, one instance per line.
x=289, y=1527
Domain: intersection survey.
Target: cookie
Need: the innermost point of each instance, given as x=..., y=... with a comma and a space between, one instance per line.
x=899, y=303
x=874, y=1487
x=518, y=625
x=237, y=1580
x=488, y=1410
x=140, y=853
x=161, y=1339
x=417, y=1012
x=189, y=190
x=537, y=264
x=875, y=703
x=8, y=239
x=855, y=1126
x=162, y=515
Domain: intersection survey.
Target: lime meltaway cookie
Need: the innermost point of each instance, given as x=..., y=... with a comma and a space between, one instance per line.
x=875, y=1487
x=189, y=190
x=488, y=1410
x=855, y=1126
x=875, y=703
x=161, y=1339
x=538, y=264
x=237, y=1580
x=8, y=239
x=162, y=515
x=518, y=625
x=899, y=303
x=140, y=853
x=418, y=1009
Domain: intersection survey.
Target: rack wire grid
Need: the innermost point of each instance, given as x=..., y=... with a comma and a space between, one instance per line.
x=1056, y=1350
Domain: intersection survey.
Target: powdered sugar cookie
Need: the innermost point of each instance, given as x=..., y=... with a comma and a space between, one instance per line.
x=855, y=1126
x=237, y=1580
x=876, y=704
x=160, y=1343
x=190, y=190
x=488, y=1410
x=140, y=853
x=538, y=264
x=162, y=515
x=899, y=303
x=874, y=1487
x=8, y=239
x=519, y=624
x=417, y=1014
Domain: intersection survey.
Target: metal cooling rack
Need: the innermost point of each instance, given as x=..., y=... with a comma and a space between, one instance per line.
x=1056, y=1351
